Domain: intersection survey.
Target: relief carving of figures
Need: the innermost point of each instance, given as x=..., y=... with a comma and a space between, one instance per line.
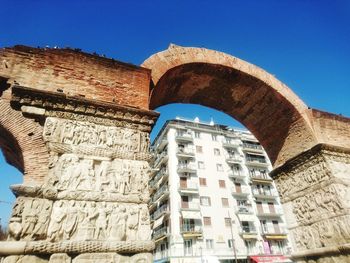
x=88, y=134
x=29, y=219
x=118, y=176
x=80, y=220
x=310, y=173
x=325, y=233
x=321, y=203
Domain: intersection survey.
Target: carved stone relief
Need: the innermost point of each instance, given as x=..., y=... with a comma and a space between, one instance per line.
x=70, y=173
x=80, y=220
x=324, y=233
x=86, y=134
x=29, y=219
x=322, y=203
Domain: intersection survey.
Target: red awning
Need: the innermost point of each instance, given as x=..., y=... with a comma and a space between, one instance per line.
x=270, y=259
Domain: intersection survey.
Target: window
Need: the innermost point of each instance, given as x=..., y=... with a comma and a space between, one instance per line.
x=205, y=200
x=202, y=181
x=242, y=203
x=230, y=243
x=199, y=149
x=209, y=243
x=188, y=247
x=216, y=151
x=224, y=202
x=250, y=246
x=197, y=135
x=201, y=165
x=214, y=137
x=219, y=167
x=207, y=221
x=228, y=222
x=222, y=184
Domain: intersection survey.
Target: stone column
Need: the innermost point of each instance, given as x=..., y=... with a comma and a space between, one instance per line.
x=315, y=192
x=93, y=204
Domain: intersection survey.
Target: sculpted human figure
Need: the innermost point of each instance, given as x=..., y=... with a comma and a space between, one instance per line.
x=102, y=180
x=84, y=175
x=43, y=213
x=67, y=132
x=132, y=224
x=29, y=217
x=57, y=217
x=101, y=221
x=71, y=220
x=102, y=137
x=68, y=164
x=144, y=229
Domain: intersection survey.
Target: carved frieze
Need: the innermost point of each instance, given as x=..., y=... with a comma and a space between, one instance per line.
x=323, y=203
x=90, y=135
x=80, y=220
x=29, y=219
x=324, y=233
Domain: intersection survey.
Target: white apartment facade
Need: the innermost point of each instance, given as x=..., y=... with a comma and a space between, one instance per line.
x=212, y=199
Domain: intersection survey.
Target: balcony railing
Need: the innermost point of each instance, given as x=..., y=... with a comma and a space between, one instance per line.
x=248, y=230
x=185, y=152
x=272, y=231
x=159, y=232
x=236, y=174
x=257, y=160
x=264, y=194
x=186, y=168
x=184, y=137
x=164, y=209
x=162, y=157
x=260, y=177
x=189, y=206
x=242, y=191
x=252, y=146
x=162, y=190
x=230, y=144
x=233, y=159
x=191, y=228
x=244, y=209
x=276, y=212
x=160, y=174
x=190, y=186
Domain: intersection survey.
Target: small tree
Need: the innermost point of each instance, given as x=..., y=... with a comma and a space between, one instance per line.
x=3, y=233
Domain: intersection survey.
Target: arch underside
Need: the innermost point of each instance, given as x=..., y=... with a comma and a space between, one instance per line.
x=274, y=114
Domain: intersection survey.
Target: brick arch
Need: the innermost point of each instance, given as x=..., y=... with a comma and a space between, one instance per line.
x=266, y=106
x=22, y=144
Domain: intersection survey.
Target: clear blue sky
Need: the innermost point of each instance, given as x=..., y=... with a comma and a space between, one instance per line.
x=305, y=44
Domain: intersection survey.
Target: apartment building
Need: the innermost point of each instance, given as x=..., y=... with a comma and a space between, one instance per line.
x=212, y=199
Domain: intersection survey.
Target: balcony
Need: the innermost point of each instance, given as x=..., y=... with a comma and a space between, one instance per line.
x=230, y=144
x=160, y=233
x=158, y=255
x=274, y=233
x=161, y=158
x=261, y=178
x=236, y=174
x=161, y=174
x=267, y=195
x=233, y=159
x=276, y=212
x=191, y=230
x=185, y=152
x=256, y=161
x=161, y=193
x=242, y=191
x=248, y=232
x=189, y=206
x=184, y=137
x=163, y=210
x=251, y=147
x=188, y=188
x=186, y=168
x=161, y=144
x=244, y=210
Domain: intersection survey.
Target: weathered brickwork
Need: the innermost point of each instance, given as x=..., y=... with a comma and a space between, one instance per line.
x=76, y=73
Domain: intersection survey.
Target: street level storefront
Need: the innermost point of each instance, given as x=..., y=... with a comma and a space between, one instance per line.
x=269, y=259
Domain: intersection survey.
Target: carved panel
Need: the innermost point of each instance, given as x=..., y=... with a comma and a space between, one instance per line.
x=80, y=220
x=86, y=134
x=29, y=219
x=322, y=203
x=324, y=233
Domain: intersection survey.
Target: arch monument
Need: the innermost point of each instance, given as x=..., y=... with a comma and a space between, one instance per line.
x=77, y=125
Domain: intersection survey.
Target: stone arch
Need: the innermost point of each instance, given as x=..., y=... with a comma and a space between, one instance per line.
x=22, y=144
x=266, y=106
